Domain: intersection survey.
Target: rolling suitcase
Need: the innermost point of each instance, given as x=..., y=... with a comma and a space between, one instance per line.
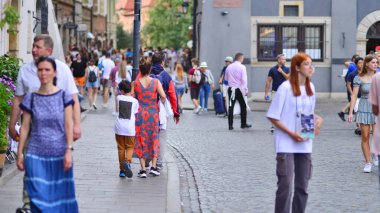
x=218, y=102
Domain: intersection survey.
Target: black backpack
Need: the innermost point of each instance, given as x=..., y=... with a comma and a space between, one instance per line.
x=203, y=79
x=92, y=76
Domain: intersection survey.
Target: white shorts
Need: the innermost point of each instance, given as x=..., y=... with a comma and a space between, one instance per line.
x=225, y=90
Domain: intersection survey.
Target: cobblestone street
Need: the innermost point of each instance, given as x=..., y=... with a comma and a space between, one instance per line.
x=234, y=171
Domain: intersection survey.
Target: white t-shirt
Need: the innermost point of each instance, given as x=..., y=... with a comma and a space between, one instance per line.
x=28, y=81
x=284, y=108
x=125, y=121
x=129, y=73
x=108, y=65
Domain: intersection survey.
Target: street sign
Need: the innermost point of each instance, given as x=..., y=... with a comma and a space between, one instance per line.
x=70, y=25
x=82, y=27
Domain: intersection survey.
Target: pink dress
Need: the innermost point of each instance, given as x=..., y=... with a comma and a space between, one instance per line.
x=374, y=99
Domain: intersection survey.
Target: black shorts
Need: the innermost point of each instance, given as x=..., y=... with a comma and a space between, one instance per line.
x=194, y=93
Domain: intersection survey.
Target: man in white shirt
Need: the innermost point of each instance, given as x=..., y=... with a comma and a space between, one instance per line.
x=108, y=65
x=27, y=81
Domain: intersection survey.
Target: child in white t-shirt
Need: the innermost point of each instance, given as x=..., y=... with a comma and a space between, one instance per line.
x=125, y=130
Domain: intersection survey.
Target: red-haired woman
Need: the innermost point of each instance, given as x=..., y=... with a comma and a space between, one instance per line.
x=292, y=115
x=364, y=115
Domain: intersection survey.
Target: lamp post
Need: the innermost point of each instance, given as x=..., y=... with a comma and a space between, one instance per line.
x=136, y=39
x=185, y=6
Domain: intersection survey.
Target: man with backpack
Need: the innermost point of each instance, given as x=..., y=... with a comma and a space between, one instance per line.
x=158, y=72
x=195, y=79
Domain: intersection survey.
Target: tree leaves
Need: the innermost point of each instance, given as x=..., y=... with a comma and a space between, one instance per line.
x=167, y=25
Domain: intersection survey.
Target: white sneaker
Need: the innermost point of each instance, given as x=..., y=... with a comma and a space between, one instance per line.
x=367, y=168
x=115, y=113
x=375, y=161
x=198, y=109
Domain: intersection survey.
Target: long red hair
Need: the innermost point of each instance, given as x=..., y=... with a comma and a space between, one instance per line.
x=297, y=60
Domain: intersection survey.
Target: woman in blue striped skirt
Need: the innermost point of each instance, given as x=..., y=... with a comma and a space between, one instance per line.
x=47, y=129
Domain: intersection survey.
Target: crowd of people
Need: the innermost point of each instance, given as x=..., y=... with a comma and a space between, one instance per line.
x=47, y=100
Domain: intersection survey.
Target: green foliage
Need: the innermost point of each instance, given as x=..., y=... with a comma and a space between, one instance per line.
x=167, y=25
x=7, y=89
x=12, y=18
x=9, y=67
x=124, y=39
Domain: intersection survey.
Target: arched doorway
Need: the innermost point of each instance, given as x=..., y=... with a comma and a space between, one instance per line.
x=12, y=36
x=373, y=36
x=367, y=36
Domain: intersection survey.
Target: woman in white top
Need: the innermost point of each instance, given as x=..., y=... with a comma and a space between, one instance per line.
x=92, y=83
x=119, y=76
x=180, y=83
x=292, y=114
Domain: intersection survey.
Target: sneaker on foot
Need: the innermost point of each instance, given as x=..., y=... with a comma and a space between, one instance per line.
x=341, y=116
x=198, y=109
x=23, y=210
x=375, y=161
x=367, y=168
x=115, y=113
x=154, y=171
x=95, y=107
x=142, y=174
x=127, y=169
x=159, y=165
x=122, y=174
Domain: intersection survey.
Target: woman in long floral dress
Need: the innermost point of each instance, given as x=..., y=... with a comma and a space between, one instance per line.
x=146, y=90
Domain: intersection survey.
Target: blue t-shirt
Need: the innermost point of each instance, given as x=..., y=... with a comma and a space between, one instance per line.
x=277, y=78
x=351, y=68
x=350, y=78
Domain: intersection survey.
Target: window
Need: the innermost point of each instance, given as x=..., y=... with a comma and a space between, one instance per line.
x=290, y=10
x=290, y=39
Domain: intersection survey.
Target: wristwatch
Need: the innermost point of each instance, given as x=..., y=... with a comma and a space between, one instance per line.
x=70, y=147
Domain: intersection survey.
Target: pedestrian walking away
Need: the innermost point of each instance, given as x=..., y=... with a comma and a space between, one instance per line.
x=92, y=83
x=28, y=81
x=180, y=83
x=195, y=85
x=364, y=115
x=236, y=75
x=124, y=129
x=108, y=65
x=206, y=87
x=292, y=114
x=169, y=89
x=146, y=91
x=47, y=129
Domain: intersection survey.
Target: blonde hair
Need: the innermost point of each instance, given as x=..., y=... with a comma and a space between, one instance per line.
x=179, y=71
x=122, y=70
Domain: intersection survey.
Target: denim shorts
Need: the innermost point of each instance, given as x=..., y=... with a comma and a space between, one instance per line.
x=92, y=84
x=179, y=91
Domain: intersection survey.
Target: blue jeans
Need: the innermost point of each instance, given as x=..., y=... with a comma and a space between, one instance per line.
x=205, y=92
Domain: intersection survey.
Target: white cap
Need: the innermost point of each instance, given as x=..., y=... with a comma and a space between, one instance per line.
x=229, y=59
x=203, y=65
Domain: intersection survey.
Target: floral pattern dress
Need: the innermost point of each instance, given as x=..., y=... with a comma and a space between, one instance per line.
x=147, y=120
